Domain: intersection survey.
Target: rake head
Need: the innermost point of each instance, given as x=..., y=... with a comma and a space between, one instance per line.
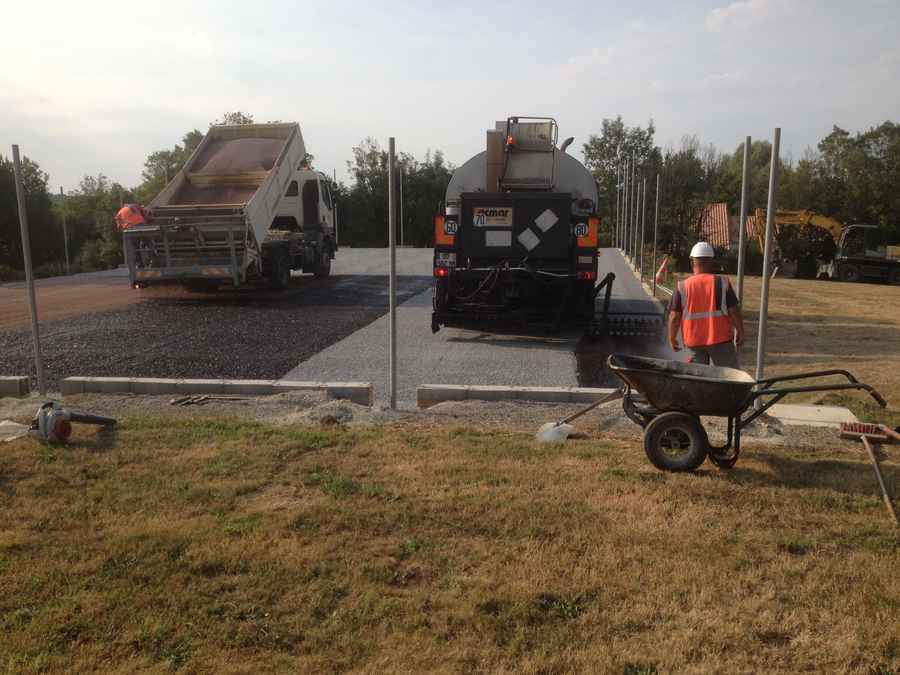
x=856, y=430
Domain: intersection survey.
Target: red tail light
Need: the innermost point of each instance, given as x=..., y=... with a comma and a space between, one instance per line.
x=441, y=272
x=587, y=276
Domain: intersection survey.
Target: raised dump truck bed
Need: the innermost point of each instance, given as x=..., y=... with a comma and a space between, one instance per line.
x=243, y=208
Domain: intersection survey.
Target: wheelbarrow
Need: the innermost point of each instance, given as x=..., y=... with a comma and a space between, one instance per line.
x=668, y=398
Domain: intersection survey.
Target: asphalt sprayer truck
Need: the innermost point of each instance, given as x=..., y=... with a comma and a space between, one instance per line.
x=516, y=244
x=245, y=209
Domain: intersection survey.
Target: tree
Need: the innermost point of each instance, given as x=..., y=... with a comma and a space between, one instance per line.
x=605, y=153
x=44, y=227
x=161, y=166
x=236, y=117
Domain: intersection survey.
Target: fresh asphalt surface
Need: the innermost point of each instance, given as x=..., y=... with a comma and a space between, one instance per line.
x=456, y=356
x=333, y=329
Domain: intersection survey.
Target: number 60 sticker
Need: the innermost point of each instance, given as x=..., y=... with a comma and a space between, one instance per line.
x=450, y=226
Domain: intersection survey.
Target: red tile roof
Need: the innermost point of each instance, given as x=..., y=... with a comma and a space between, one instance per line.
x=715, y=225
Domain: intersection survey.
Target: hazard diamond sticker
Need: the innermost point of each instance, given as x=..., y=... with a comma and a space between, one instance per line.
x=528, y=239
x=546, y=220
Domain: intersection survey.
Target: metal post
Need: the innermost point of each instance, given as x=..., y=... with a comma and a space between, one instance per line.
x=334, y=203
x=637, y=222
x=633, y=205
x=392, y=285
x=643, y=223
x=29, y=277
x=655, y=235
x=401, y=206
x=745, y=206
x=616, y=235
x=624, y=206
x=62, y=199
x=767, y=257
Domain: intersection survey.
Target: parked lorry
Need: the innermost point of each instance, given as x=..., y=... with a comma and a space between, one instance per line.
x=862, y=253
x=245, y=209
x=517, y=240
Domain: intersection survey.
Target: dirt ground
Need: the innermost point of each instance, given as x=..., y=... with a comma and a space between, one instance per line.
x=313, y=408
x=77, y=295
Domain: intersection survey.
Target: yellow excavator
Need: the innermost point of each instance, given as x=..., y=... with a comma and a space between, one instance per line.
x=786, y=217
x=861, y=252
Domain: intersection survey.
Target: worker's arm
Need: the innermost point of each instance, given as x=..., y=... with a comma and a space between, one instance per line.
x=737, y=321
x=675, y=310
x=674, y=327
x=734, y=313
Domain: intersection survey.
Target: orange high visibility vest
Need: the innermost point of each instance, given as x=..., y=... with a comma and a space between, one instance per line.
x=704, y=319
x=130, y=215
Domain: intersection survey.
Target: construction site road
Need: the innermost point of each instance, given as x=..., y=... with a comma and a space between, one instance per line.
x=96, y=325
x=472, y=357
x=318, y=329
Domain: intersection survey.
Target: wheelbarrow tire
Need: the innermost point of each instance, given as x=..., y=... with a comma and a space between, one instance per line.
x=676, y=429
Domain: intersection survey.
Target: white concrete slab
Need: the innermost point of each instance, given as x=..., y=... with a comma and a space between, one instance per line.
x=811, y=415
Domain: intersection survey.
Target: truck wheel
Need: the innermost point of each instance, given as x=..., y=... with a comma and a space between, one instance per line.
x=894, y=276
x=675, y=441
x=849, y=273
x=323, y=269
x=280, y=273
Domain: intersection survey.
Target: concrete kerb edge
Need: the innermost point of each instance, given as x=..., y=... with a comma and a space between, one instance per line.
x=17, y=386
x=428, y=395
x=357, y=392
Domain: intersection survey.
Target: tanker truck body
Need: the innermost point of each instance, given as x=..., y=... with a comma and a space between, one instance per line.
x=517, y=241
x=244, y=209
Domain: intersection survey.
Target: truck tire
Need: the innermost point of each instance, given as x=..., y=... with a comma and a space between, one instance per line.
x=675, y=441
x=894, y=276
x=323, y=268
x=280, y=270
x=849, y=273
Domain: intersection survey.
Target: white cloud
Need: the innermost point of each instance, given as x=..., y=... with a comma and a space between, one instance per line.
x=741, y=14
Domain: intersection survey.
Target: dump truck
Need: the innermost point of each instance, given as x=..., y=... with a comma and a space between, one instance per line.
x=245, y=209
x=516, y=242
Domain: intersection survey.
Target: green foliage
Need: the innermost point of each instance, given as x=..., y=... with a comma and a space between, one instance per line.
x=94, y=241
x=43, y=223
x=605, y=152
x=161, y=166
x=363, y=207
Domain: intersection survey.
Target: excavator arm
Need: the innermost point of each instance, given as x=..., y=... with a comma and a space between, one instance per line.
x=792, y=218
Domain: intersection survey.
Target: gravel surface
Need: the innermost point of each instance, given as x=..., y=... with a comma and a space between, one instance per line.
x=252, y=334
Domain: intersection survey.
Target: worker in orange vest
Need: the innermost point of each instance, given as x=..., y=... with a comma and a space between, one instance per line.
x=705, y=309
x=130, y=215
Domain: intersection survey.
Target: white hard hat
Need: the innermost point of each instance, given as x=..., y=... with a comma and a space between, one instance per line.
x=702, y=250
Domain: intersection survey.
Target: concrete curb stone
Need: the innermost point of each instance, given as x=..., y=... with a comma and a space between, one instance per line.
x=16, y=385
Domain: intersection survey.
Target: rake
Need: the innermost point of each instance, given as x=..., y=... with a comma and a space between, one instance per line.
x=870, y=435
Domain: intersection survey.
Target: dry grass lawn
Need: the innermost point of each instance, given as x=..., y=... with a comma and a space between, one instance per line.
x=218, y=546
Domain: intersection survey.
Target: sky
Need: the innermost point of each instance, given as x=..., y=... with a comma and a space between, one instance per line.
x=94, y=86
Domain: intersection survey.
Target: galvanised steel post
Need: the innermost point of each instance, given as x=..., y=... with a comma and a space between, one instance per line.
x=767, y=260
x=655, y=236
x=392, y=290
x=29, y=276
x=745, y=208
x=643, y=223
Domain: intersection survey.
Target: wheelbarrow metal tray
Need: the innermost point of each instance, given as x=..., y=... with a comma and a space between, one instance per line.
x=686, y=387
